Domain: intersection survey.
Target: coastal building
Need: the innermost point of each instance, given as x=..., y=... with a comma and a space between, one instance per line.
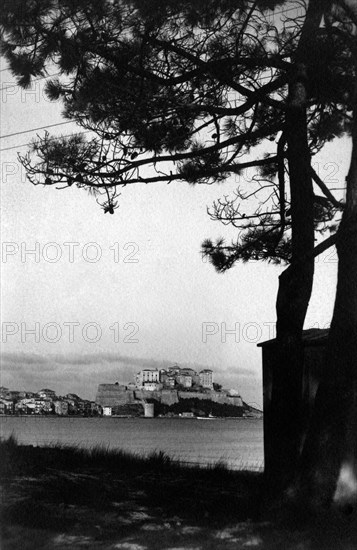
x=189, y=372
x=194, y=375
x=3, y=392
x=175, y=370
x=147, y=376
x=163, y=377
x=107, y=411
x=61, y=407
x=72, y=405
x=46, y=394
x=72, y=396
x=43, y=406
x=167, y=380
x=96, y=409
x=6, y=406
x=173, y=376
x=185, y=380
x=84, y=407
x=206, y=378
x=22, y=394
x=25, y=406
x=15, y=395
x=33, y=406
x=47, y=402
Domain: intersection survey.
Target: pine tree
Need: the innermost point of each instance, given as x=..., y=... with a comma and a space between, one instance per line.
x=186, y=90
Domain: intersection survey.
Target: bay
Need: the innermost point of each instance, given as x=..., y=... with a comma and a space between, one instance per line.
x=237, y=442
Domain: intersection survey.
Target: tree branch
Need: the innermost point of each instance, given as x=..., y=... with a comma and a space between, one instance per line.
x=338, y=204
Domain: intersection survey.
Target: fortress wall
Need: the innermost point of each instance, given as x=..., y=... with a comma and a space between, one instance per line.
x=194, y=395
x=213, y=396
x=146, y=394
x=167, y=397
x=235, y=400
x=109, y=395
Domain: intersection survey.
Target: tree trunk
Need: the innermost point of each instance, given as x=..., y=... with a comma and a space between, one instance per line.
x=329, y=460
x=295, y=285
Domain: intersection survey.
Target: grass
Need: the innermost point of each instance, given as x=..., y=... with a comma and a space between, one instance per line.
x=71, y=497
x=29, y=459
x=75, y=474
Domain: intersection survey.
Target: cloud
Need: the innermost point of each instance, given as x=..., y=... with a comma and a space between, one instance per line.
x=24, y=358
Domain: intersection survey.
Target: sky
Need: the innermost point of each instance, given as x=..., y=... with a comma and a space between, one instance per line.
x=102, y=296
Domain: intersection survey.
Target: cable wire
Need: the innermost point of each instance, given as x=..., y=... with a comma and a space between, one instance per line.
x=39, y=128
x=54, y=137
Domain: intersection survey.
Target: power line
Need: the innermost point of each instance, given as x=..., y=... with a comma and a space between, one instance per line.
x=57, y=124
x=15, y=147
x=69, y=121
x=34, y=129
x=54, y=137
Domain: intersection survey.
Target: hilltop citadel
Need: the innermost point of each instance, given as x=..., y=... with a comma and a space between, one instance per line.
x=165, y=388
x=160, y=392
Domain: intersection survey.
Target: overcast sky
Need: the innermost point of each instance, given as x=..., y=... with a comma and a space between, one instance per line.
x=143, y=276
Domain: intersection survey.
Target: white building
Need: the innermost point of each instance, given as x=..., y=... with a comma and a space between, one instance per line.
x=152, y=386
x=147, y=376
x=206, y=378
x=61, y=407
x=107, y=411
x=37, y=406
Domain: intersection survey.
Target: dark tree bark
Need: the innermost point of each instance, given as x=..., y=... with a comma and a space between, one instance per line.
x=295, y=284
x=329, y=459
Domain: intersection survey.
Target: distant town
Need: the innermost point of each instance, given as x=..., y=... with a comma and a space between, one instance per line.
x=168, y=392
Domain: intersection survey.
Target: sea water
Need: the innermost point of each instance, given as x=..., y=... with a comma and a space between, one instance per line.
x=238, y=442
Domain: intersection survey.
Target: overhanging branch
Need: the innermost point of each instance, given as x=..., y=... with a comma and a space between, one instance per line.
x=338, y=204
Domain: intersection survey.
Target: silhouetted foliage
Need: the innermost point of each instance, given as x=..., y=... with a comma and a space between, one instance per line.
x=186, y=90
x=179, y=90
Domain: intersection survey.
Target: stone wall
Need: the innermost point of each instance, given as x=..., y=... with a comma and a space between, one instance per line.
x=217, y=397
x=194, y=395
x=167, y=397
x=109, y=395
